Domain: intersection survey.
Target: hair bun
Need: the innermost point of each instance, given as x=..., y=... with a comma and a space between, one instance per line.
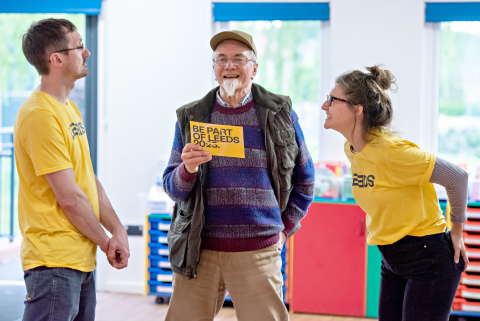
x=382, y=77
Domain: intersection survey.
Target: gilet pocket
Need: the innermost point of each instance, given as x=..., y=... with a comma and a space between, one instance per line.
x=178, y=238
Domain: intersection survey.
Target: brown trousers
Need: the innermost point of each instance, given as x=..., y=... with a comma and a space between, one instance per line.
x=253, y=279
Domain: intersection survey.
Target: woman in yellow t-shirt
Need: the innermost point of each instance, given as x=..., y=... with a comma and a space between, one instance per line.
x=422, y=261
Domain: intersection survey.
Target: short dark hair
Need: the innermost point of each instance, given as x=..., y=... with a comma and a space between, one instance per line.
x=44, y=37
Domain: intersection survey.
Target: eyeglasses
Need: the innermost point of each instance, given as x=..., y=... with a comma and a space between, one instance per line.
x=330, y=99
x=81, y=47
x=237, y=61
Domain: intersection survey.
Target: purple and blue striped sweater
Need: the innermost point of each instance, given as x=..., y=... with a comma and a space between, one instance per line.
x=242, y=213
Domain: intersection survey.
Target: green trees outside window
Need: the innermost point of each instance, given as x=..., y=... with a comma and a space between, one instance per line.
x=459, y=107
x=289, y=64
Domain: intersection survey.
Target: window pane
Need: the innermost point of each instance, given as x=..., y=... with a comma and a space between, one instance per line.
x=459, y=114
x=18, y=78
x=289, y=64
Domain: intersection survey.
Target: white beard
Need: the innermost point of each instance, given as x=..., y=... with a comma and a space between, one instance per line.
x=229, y=85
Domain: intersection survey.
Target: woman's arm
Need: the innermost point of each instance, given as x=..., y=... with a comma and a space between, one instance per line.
x=455, y=181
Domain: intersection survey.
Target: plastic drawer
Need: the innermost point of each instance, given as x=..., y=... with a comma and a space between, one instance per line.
x=163, y=278
x=166, y=216
x=158, y=249
x=160, y=274
x=464, y=305
x=161, y=224
x=473, y=280
x=473, y=213
x=158, y=236
x=470, y=293
x=472, y=253
x=160, y=288
x=473, y=266
x=153, y=291
x=159, y=261
x=471, y=226
x=471, y=239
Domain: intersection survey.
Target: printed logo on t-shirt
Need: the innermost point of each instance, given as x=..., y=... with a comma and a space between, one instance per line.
x=363, y=180
x=76, y=129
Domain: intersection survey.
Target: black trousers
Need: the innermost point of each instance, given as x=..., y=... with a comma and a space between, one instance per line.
x=419, y=278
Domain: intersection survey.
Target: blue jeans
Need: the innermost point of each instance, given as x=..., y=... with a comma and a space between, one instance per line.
x=419, y=278
x=59, y=294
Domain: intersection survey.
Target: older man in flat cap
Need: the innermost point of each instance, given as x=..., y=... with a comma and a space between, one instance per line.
x=232, y=215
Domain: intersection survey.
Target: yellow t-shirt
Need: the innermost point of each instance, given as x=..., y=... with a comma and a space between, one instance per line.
x=50, y=137
x=391, y=184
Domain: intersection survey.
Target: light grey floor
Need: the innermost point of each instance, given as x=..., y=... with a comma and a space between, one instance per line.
x=11, y=297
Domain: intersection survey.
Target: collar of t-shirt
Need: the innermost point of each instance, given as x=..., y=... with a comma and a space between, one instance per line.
x=248, y=98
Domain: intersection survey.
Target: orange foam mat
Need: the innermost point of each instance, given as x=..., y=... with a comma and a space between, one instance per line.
x=464, y=305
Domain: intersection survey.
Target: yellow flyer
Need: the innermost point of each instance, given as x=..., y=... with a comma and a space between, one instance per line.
x=220, y=140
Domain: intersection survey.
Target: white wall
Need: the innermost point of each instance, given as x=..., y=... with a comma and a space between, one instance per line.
x=155, y=56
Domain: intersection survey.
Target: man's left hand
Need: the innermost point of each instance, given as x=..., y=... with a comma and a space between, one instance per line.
x=118, y=249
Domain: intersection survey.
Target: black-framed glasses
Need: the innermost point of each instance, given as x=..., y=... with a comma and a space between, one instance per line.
x=330, y=99
x=237, y=61
x=81, y=47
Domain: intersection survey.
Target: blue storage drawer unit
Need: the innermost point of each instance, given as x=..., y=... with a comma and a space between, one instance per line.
x=159, y=274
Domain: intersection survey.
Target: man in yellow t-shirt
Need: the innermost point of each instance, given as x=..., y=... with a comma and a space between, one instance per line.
x=61, y=203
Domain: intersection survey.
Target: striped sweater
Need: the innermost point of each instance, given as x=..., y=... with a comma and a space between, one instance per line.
x=242, y=213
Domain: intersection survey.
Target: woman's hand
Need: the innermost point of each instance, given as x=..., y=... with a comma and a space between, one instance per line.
x=457, y=239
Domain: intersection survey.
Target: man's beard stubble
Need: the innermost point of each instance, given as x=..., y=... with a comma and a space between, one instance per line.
x=79, y=75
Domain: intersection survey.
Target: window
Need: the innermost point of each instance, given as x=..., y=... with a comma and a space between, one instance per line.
x=459, y=103
x=18, y=77
x=289, y=64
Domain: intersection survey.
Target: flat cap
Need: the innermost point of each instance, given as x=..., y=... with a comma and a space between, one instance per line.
x=235, y=35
